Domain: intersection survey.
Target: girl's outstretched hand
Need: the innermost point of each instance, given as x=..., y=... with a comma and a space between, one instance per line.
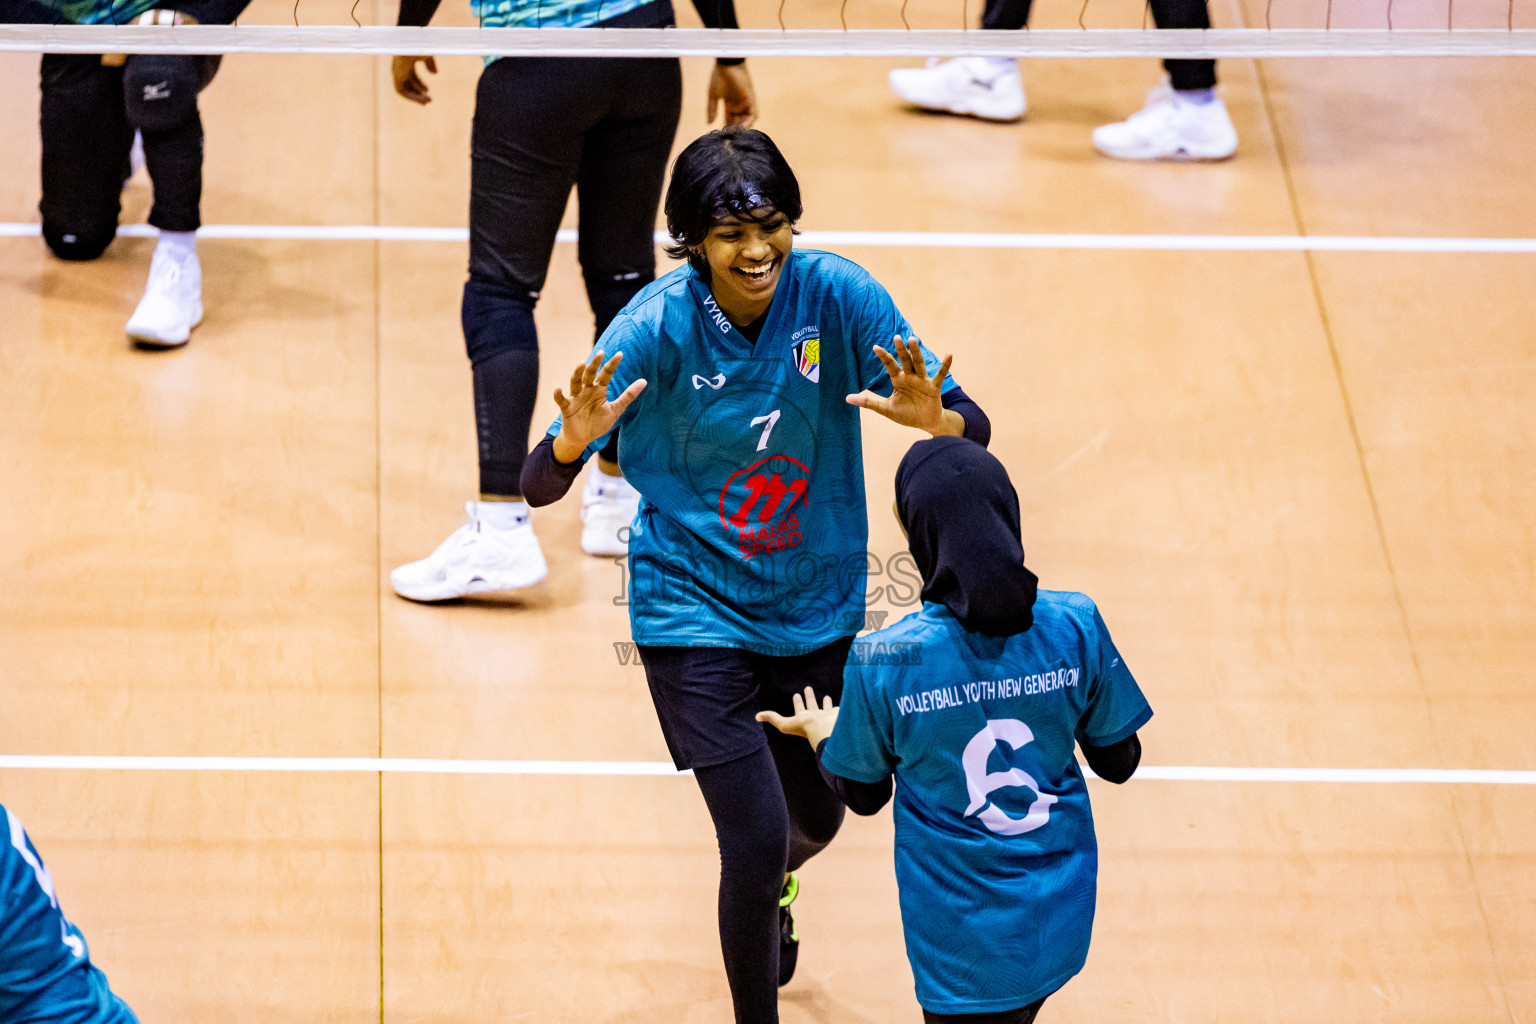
x=916, y=398
x=809, y=721
x=587, y=414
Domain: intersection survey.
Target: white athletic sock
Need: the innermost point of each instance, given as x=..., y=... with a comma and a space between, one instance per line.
x=599, y=482
x=180, y=244
x=501, y=515
x=1003, y=64
x=1199, y=97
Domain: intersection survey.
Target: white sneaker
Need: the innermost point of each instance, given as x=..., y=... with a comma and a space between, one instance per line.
x=608, y=508
x=475, y=559
x=1170, y=127
x=972, y=86
x=172, y=304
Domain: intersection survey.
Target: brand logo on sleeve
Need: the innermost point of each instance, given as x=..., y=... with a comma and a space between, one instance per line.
x=981, y=784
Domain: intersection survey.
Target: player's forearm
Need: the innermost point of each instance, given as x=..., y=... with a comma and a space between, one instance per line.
x=862, y=798
x=976, y=426
x=1116, y=762
x=717, y=13
x=417, y=13
x=546, y=478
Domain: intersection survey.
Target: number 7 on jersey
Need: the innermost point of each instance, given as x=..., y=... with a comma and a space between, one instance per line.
x=770, y=419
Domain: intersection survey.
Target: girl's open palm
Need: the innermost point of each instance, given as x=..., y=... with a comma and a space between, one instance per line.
x=916, y=398
x=587, y=414
x=808, y=721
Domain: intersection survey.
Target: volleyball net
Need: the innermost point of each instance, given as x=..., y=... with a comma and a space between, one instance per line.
x=788, y=42
x=865, y=28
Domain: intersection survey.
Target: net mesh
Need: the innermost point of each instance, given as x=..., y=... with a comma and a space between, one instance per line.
x=563, y=42
x=863, y=28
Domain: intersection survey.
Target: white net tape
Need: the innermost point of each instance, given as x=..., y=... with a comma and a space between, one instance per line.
x=685, y=42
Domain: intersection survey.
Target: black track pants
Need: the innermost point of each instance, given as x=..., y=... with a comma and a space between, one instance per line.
x=1182, y=74
x=542, y=125
x=89, y=114
x=1023, y=1015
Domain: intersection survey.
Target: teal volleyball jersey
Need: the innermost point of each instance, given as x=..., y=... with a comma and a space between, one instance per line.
x=550, y=13
x=46, y=974
x=102, y=12
x=995, y=852
x=752, y=526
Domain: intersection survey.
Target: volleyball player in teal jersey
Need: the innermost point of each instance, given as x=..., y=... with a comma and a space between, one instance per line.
x=735, y=383
x=973, y=704
x=46, y=974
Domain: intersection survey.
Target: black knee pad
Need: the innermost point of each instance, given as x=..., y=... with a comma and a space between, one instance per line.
x=497, y=318
x=160, y=90
x=609, y=293
x=78, y=245
x=29, y=12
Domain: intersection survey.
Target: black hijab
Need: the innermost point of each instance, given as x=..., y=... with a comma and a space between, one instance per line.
x=961, y=515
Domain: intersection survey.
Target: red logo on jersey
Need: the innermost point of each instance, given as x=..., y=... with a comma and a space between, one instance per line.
x=761, y=498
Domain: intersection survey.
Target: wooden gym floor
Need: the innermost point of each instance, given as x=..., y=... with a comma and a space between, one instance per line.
x=1301, y=487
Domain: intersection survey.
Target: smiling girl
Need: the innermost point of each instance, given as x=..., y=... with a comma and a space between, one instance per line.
x=735, y=382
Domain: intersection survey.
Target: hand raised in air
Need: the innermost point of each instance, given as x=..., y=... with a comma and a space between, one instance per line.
x=587, y=414
x=916, y=399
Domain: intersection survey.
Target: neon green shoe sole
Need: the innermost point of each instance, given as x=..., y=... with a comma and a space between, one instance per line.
x=789, y=932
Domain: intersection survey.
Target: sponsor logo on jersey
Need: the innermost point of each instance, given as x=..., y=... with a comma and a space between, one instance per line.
x=757, y=504
x=807, y=353
x=715, y=383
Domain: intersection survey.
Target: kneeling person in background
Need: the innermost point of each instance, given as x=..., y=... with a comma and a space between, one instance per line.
x=93, y=107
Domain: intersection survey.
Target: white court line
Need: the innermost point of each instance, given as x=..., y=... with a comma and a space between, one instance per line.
x=400, y=765
x=436, y=766
x=899, y=239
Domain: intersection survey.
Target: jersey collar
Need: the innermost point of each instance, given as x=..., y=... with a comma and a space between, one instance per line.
x=720, y=326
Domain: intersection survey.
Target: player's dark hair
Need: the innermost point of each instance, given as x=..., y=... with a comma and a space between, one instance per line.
x=733, y=172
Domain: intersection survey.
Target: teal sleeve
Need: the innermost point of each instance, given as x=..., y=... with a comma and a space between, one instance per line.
x=862, y=747
x=877, y=321
x=1116, y=707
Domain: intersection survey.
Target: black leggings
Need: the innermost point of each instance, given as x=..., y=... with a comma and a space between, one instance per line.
x=771, y=809
x=1182, y=74
x=1023, y=1015
x=541, y=125
x=772, y=813
x=89, y=114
